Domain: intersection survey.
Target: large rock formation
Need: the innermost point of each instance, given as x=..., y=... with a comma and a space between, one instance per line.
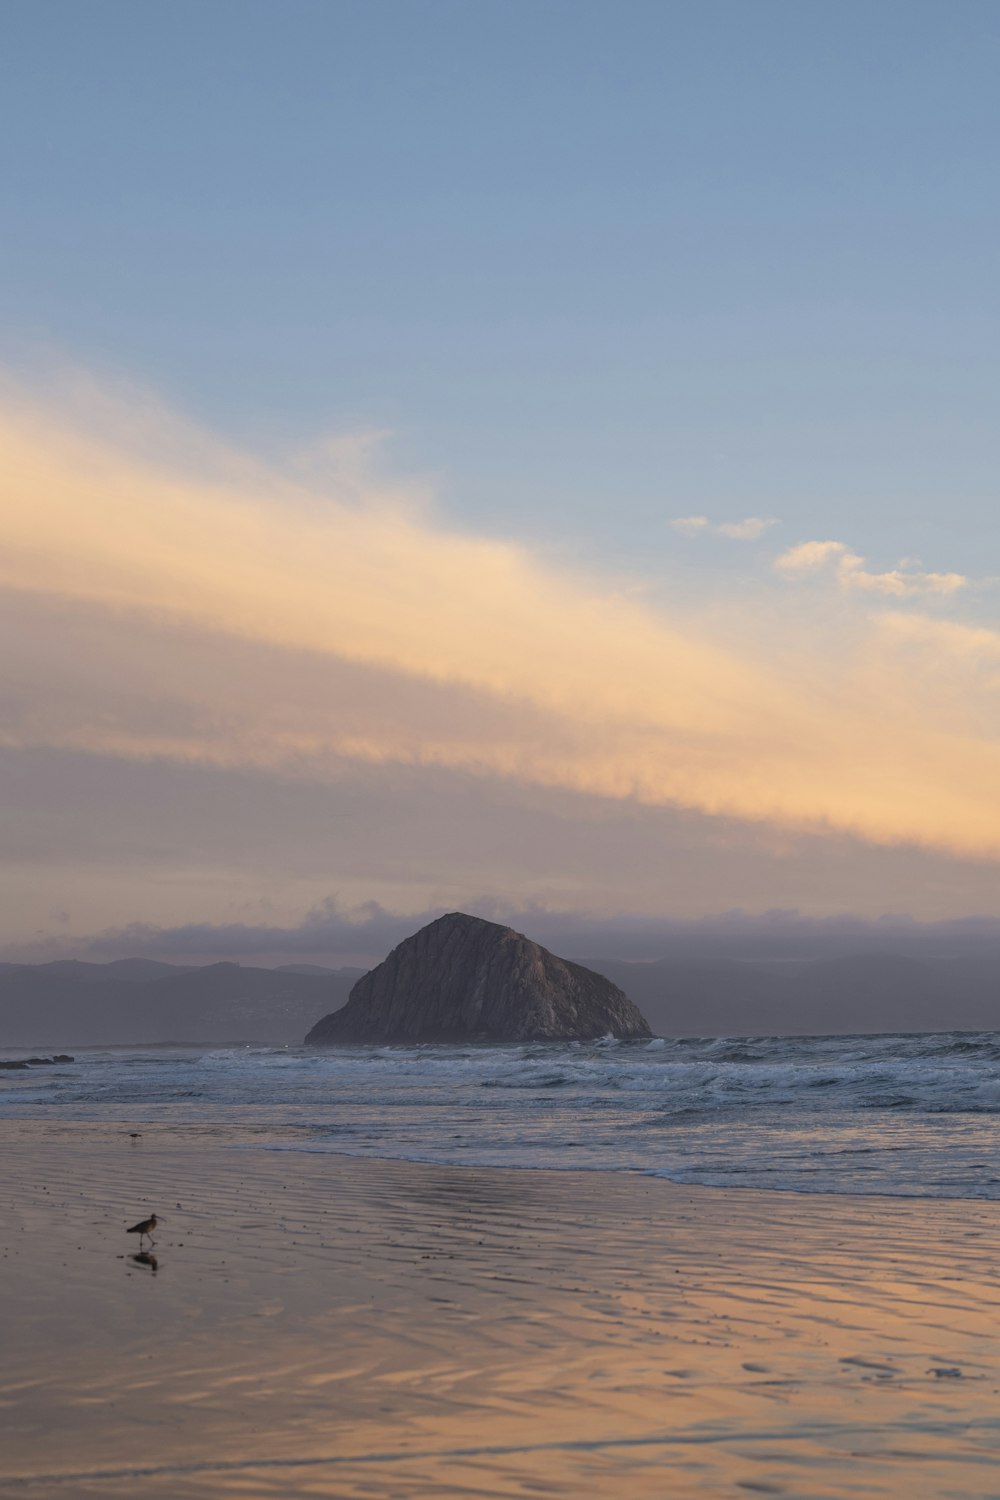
x=462, y=979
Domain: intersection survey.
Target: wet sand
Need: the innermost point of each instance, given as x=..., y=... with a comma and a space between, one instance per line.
x=316, y=1325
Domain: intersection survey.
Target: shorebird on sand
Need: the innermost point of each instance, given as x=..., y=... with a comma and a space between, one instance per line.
x=144, y=1229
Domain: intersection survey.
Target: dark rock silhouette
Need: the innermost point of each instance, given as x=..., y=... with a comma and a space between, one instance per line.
x=463, y=979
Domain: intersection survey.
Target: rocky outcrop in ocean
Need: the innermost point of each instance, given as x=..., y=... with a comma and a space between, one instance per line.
x=463, y=979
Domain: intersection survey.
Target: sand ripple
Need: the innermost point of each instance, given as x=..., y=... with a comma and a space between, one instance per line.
x=322, y=1326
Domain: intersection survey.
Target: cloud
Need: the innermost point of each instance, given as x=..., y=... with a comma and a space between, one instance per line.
x=329, y=928
x=337, y=933
x=747, y=530
x=169, y=843
x=167, y=599
x=947, y=640
x=850, y=571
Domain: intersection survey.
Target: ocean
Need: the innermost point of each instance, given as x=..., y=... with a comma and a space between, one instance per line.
x=899, y=1115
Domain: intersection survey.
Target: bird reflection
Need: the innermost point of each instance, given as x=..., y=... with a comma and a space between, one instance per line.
x=144, y=1258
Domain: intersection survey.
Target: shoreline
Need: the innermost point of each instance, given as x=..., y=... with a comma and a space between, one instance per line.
x=229, y=1137
x=320, y=1324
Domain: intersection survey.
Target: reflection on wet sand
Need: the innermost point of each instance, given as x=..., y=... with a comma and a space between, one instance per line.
x=145, y=1258
x=358, y=1328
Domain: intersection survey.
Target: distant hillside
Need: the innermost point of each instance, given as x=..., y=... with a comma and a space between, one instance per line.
x=75, y=1004
x=58, y=1006
x=859, y=992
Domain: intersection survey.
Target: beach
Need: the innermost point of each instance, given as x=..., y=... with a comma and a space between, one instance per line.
x=316, y=1324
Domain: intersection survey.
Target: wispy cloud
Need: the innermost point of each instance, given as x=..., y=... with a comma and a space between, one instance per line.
x=747, y=530
x=381, y=636
x=850, y=571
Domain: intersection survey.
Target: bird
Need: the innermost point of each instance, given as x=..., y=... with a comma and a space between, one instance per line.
x=144, y=1229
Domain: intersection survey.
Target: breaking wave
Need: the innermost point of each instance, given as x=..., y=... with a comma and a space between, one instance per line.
x=906, y=1115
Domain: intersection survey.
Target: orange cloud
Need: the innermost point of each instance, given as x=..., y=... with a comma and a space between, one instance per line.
x=468, y=653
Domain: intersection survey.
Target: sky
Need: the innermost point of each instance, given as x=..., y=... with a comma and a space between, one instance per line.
x=517, y=457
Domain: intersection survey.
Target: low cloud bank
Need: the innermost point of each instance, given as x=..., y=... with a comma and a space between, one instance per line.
x=340, y=936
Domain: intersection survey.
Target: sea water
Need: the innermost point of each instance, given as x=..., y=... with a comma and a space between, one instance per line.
x=906, y=1115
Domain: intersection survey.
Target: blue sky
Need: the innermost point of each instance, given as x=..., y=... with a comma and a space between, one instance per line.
x=653, y=567
x=592, y=265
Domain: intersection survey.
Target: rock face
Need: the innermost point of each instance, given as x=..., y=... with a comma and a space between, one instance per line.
x=462, y=979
